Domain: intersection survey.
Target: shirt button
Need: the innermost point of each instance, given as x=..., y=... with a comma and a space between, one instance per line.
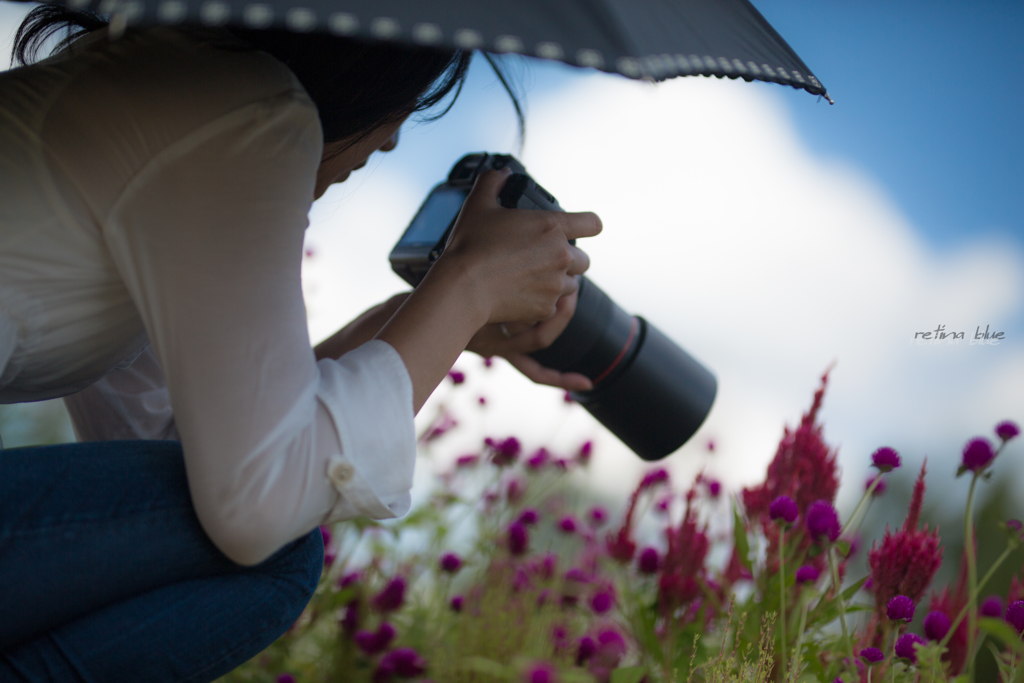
x=340, y=471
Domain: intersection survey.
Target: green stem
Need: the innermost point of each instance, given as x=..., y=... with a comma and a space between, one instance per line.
x=981, y=584
x=972, y=578
x=782, y=593
x=852, y=523
x=839, y=600
x=800, y=636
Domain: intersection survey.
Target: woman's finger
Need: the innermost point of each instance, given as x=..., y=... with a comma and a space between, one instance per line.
x=570, y=381
x=580, y=261
x=581, y=224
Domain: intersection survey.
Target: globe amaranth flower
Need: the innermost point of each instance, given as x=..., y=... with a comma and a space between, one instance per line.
x=872, y=655
x=823, y=521
x=649, y=561
x=528, y=517
x=466, y=461
x=506, y=451
x=325, y=532
x=663, y=504
x=585, y=453
x=977, y=455
x=936, y=625
x=992, y=606
x=900, y=608
x=518, y=538
x=392, y=597
x=602, y=601
x=456, y=603
x=585, y=649
x=1007, y=430
x=285, y=678
x=880, y=487
x=567, y=524
x=372, y=642
x=456, y=376
x=597, y=517
x=906, y=646
x=450, y=563
x=538, y=460
x=403, y=662
x=885, y=459
x=1015, y=615
x=807, y=574
x=654, y=477
x=783, y=509
x=540, y=673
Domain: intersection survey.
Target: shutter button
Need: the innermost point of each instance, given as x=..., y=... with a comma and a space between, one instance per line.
x=340, y=471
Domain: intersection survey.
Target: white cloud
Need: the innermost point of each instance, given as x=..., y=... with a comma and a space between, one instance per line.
x=764, y=261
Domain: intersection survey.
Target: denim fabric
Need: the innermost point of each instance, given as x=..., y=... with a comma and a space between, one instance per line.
x=106, y=574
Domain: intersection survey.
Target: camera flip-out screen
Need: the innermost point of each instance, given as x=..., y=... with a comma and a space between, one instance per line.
x=437, y=213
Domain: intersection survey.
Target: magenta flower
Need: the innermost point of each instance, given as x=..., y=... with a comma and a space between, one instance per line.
x=601, y=602
x=653, y=478
x=936, y=625
x=456, y=603
x=906, y=646
x=505, y=452
x=611, y=648
x=900, y=608
x=325, y=531
x=351, y=617
x=404, y=662
x=456, y=377
x=286, y=678
x=663, y=504
x=823, y=521
x=585, y=650
x=392, y=597
x=528, y=517
x=1015, y=615
x=373, y=642
x=783, y=509
x=714, y=488
x=451, y=563
x=978, y=455
x=807, y=574
x=540, y=673
x=885, y=459
x=329, y=559
x=540, y=458
x=488, y=362
x=872, y=655
x=518, y=538
x=567, y=524
x=585, y=453
x=466, y=461
x=482, y=400
x=992, y=607
x=880, y=488
x=649, y=561
x=597, y=516
x=1007, y=430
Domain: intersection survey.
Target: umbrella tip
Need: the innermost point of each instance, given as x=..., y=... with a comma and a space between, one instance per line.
x=829, y=98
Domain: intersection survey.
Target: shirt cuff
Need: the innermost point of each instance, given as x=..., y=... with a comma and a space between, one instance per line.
x=368, y=394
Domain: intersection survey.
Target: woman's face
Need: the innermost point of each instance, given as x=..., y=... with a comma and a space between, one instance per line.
x=341, y=158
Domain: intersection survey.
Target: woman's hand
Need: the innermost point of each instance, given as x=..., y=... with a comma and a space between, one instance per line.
x=525, y=338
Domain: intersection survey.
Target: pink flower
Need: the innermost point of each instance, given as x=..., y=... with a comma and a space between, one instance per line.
x=505, y=452
x=456, y=377
x=880, y=488
x=482, y=400
x=585, y=650
x=518, y=538
x=567, y=524
x=348, y=580
x=906, y=646
x=439, y=427
x=1015, y=615
x=450, y=563
x=488, y=362
x=611, y=648
x=783, y=509
x=373, y=642
x=714, y=488
x=285, y=678
x=392, y=597
x=936, y=625
x=597, y=516
x=1007, y=430
x=403, y=662
x=663, y=504
x=872, y=655
x=649, y=561
x=900, y=608
x=528, y=517
x=654, y=477
x=456, y=603
x=602, y=601
x=585, y=453
x=540, y=458
x=978, y=455
x=540, y=673
x=466, y=461
x=823, y=521
x=807, y=574
x=992, y=607
x=351, y=617
x=885, y=459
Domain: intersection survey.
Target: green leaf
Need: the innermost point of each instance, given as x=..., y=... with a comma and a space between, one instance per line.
x=1003, y=631
x=488, y=667
x=739, y=536
x=628, y=674
x=852, y=590
x=843, y=547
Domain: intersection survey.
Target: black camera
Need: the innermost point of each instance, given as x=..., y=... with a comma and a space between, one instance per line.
x=647, y=390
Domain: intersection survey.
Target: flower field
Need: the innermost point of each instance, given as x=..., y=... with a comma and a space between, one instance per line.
x=504, y=575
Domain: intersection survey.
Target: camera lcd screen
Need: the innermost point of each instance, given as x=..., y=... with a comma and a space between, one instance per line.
x=434, y=217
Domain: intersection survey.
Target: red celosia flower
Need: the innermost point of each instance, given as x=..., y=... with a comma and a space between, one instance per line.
x=683, y=563
x=906, y=561
x=620, y=545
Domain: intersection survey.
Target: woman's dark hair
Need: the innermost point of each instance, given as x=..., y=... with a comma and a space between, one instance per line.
x=357, y=86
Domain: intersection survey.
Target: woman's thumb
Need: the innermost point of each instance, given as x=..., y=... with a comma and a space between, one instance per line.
x=488, y=186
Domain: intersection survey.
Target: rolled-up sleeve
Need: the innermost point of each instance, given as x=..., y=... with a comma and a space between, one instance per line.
x=208, y=240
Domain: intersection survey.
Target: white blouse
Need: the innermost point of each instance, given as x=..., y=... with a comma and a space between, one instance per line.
x=154, y=193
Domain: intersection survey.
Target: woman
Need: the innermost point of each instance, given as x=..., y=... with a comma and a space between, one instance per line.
x=153, y=198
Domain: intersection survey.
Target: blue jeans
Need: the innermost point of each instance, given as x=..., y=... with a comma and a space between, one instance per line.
x=106, y=575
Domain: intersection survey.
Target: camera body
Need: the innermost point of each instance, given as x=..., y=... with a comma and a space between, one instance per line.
x=647, y=391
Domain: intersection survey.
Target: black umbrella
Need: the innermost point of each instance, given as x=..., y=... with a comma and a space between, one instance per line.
x=651, y=39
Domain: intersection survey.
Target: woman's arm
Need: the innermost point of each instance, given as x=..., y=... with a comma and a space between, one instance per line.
x=359, y=331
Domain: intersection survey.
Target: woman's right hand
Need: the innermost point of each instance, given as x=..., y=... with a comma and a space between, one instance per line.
x=520, y=262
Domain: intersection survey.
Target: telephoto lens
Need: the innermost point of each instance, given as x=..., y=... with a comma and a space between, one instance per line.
x=648, y=391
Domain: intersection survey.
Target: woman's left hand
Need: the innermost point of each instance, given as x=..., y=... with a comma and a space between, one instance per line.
x=524, y=338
